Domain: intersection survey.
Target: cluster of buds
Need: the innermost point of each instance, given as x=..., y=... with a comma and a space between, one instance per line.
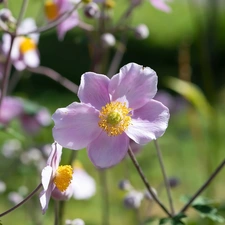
x=133, y=197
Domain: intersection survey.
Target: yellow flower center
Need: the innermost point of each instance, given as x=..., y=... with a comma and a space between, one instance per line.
x=27, y=44
x=110, y=4
x=114, y=118
x=63, y=177
x=51, y=10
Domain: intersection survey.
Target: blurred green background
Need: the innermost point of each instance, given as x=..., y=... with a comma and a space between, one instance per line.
x=192, y=38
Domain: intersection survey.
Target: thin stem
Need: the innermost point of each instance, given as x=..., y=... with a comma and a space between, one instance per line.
x=56, y=213
x=22, y=202
x=144, y=179
x=61, y=211
x=22, y=11
x=159, y=154
x=204, y=186
x=56, y=77
x=5, y=79
x=121, y=48
x=54, y=23
x=105, y=199
x=5, y=3
x=73, y=156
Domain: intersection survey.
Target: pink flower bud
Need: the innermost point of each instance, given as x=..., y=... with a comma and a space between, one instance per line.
x=141, y=32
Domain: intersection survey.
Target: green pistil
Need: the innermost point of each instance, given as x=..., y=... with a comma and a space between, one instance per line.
x=114, y=118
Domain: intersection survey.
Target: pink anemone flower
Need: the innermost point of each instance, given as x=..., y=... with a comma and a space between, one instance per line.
x=55, y=177
x=11, y=108
x=111, y=112
x=161, y=5
x=56, y=8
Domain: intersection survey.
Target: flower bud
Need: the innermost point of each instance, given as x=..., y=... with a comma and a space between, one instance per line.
x=173, y=182
x=2, y=187
x=91, y=10
x=147, y=195
x=125, y=185
x=133, y=199
x=108, y=40
x=141, y=32
x=6, y=15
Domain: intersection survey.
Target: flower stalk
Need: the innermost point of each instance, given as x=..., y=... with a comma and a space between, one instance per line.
x=144, y=179
x=159, y=155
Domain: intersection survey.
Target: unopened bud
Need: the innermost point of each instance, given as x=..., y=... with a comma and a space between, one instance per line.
x=108, y=40
x=141, y=31
x=125, y=185
x=133, y=199
x=91, y=10
x=149, y=195
x=5, y=15
x=173, y=182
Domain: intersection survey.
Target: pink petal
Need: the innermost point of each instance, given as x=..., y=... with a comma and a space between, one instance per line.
x=55, y=156
x=134, y=84
x=161, y=5
x=94, y=89
x=76, y=125
x=67, y=25
x=46, y=177
x=45, y=197
x=148, y=122
x=107, y=151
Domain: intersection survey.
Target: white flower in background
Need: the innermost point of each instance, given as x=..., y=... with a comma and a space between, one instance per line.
x=33, y=156
x=2, y=187
x=84, y=186
x=75, y=222
x=15, y=197
x=11, y=147
x=24, y=52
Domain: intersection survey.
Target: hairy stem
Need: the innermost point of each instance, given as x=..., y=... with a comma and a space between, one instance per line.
x=144, y=179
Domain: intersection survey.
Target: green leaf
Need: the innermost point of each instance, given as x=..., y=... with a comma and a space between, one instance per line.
x=164, y=221
x=149, y=220
x=205, y=209
x=192, y=93
x=173, y=221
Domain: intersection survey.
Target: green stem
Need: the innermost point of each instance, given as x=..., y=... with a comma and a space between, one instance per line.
x=144, y=179
x=204, y=186
x=159, y=154
x=22, y=202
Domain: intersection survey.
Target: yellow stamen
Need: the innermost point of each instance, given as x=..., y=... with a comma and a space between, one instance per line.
x=114, y=118
x=51, y=10
x=27, y=44
x=110, y=4
x=63, y=177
